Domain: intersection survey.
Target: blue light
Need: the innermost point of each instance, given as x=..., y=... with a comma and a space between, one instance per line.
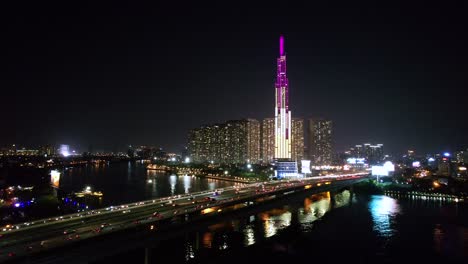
x=430, y=159
x=446, y=154
x=17, y=205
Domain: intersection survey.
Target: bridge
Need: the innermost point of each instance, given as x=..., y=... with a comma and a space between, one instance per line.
x=46, y=240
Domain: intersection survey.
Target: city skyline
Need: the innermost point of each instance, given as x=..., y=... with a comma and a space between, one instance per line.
x=130, y=77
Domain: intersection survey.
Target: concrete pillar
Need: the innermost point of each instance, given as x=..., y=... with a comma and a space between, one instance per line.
x=332, y=199
x=148, y=255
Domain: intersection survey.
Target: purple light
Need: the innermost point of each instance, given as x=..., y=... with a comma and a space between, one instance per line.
x=17, y=205
x=281, y=45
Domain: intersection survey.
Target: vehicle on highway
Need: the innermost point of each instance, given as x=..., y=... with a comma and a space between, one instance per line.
x=157, y=215
x=69, y=231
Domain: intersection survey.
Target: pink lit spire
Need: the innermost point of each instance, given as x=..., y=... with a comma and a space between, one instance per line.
x=281, y=45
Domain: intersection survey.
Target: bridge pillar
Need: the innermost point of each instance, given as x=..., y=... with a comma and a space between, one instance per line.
x=148, y=254
x=332, y=199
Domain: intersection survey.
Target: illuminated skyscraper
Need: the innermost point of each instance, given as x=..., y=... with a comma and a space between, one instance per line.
x=297, y=140
x=268, y=140
x=282, y=113
x=320, y=142
x=236, y=141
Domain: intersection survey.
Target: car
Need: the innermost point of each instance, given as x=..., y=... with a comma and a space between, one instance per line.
x=69, y=231
x=157, y=215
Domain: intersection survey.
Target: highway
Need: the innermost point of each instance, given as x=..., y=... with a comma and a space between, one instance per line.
x=45, y=234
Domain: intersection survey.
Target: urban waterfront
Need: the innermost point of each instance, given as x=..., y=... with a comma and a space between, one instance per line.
x=370, y=229
x=126, y=182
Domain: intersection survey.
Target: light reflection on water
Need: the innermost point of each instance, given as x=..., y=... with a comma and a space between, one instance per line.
x=275, y=220
x=249, y=235
x=383, y=210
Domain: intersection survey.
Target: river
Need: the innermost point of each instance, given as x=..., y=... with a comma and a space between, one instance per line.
x=351, y=229
x=348, y=228
x=130, y=181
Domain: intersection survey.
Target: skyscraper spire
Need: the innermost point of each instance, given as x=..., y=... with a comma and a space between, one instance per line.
x=281, y=45
x=282, y=113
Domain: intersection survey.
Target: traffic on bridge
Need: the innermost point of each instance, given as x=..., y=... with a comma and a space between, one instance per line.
x=41, y=235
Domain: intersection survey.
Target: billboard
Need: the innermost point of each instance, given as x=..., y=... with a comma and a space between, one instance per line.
x=356, y=160
x=379, y=171
x=305, y=166
x=55, y=178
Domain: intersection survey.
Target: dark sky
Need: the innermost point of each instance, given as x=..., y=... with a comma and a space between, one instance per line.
x=109, y=74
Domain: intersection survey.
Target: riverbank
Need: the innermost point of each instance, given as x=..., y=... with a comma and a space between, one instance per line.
x=230, y=179
x=372, y=187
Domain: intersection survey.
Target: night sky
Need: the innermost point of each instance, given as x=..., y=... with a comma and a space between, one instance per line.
x=110, y=75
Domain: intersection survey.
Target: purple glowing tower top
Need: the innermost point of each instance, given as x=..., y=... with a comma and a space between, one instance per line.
x=281, y=45
x=281, y=84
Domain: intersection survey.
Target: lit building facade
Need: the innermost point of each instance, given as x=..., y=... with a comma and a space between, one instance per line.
x=282, y=112
x=253, y=141
x=268, y=140
x=374, y=154
x=236, y=141
x=320, y=142
x=297, y=142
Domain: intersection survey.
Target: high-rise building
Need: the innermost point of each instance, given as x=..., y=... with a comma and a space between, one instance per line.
x=236, y=141
x=268, y=140
x=320, y=142
x=282, y=112
x=253, y=141
x=297, y=140
x=374, y=154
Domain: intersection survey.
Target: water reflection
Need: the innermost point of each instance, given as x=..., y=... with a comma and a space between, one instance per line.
x=172, y=182
x=314, y=207
x=275, y=220
x=383, y=210
x=249, y=235
x=187, y=183
x=189, y=252
x=211, y=185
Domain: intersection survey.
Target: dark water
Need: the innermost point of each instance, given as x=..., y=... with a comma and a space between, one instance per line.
x=130, y=181
x=358, y=229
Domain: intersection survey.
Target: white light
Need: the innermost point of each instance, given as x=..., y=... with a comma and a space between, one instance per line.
x=249, y=166
x=226, y=172
x=388, y=165
x=446, y=154
x=305, y=166
x=187, y=160
x=379, y=171
x=55, y=178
